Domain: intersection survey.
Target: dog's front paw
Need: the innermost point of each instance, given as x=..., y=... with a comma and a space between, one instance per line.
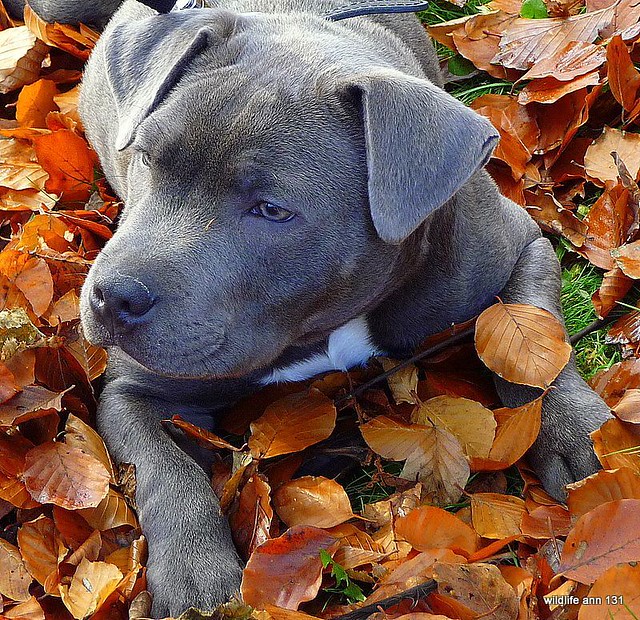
x=563, y=452
x=193, y=574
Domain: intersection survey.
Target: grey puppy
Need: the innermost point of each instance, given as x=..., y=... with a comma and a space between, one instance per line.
x=300, y=195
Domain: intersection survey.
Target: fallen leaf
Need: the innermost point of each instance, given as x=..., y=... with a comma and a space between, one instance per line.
x=286, y=571
x=522, y=344
x=602, y=487
x=600, y=165
x=42, y=549
x=628, y=408
x=495, y=515
x=617, y=444
x=112, y=511
x=403, y=383
x=14, y=577
x=312, y=500
x=31, y=401
x=600, y=539
x=80, y=435
x=615, y=285
x=65, y=476
x=624, y=78
x=21, y=56
x=428, y=527
x=545, y=522
x=35, y=102
x=574, y=59
x=615, y=595
x=91, y=585
x=292, y=423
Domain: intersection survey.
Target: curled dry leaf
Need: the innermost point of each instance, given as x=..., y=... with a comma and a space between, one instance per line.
x=292, y=423
x=67, y=477
x=403, y=383
x=480, y=587
x=433, y=455
x=112, y=511
x=522, y=344
x=615, y=285
x=312, y=500
x=428, y=527
x=90, y=586
x=600, y=165
x=28, y=404
x=42, y=549
x=627, y=257
x=615, y=594
x=602, y=487
x=356, y=548
x=286, y=571
x=495, y=515
x=80, y=435
x=28, y=610
x=624, y=78
x=31, y=276
x=628, y=409
x=468, y=421
x=607, y=535
x=21, y=56
x=203, y=437
x=617, y=444
x=14, y=577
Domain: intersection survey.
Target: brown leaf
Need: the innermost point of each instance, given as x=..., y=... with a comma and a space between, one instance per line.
x=602, y=538
x=468, y=421
x=522, y=344
x=67, y=477
x=602, y=487
x=286, y=571
x=21, y=56
x=28, y=403
x=546, y=522
x=29, y=610
x=35, y=102
x=518, y=130
x=433, y=455
x=112, y=511
x=612, y=383
x=251, y=519
x=14, y=577
x=480, y=587
x=90, y=586
x=628, y=409
x=549, y=90
x=615, y=594
x=292, y=423
x=356, y=548
x=624, y=78
x=617, y=445
x=92, y=359
x=312, y=500
x=528, y=41
x=428, y=527
x=600, y=165
x=69, y=162
x=403, y=383
x=572, y=60
x=80, y=435
x=31, y=275
x=627, y=257
x=553, y=217
x=495, y=515
x=42, y=549
x=615, y=285
x=201, y=436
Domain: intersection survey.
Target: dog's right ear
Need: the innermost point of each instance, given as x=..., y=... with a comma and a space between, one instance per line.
x=145, y=59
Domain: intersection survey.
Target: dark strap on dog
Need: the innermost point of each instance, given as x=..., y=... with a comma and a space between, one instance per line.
x=375, y=7
x=353, y=9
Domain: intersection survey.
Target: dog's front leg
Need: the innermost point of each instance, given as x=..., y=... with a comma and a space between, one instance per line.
x=563, y=451
x=192, y=560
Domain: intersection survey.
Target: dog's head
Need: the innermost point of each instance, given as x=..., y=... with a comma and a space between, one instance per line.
x=274, y=170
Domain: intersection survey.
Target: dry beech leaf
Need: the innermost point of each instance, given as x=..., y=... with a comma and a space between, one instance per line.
x=600, y=165
x=546, y=522
x=21, y=56
x=522, y=344
x=428, y=527
x=28, y=610
x=574, y=59
x=433, y=455
x=312, y=500
x=35, y=102
x=480, y=587
x=201, y=436
x=617, y=444
x=292, y=423
x=628, y=409
x=67, y=477
x=413, y=572
x=25, y=405
x=286, y=571
x=627, y=257
x=495, y=515
x=112, y=511
x=614, y=595
x=600, y=539
x=403, y=383
x=468, y=421
x=42, y=549
x=91, y=358
x=624, y=78
x=602, y=487
x=356, y=548
x=31, y=275
x=615, y=285
x=90, y=586
x=80, y=435
x=14, y=577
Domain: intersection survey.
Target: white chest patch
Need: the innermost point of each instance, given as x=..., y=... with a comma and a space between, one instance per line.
x=348, y=346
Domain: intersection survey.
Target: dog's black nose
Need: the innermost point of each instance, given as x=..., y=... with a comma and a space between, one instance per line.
x=121, y=304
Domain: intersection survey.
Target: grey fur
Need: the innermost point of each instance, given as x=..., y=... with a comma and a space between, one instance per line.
x=198, y=115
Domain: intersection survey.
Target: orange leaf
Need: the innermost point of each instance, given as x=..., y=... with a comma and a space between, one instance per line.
x=312, y=500
x=624, y=78
x=80, y=435
x=286, y=571
x=14, y=577
x=522, y=344
x=614, y=595
x=28, y=403
x=428, y=527
x=113, y=511
x=21, y=56
x=496, y=516
x=203, y=437
x=600, y=165
x=617, y=444
x=31, y=275
x=67, y=477
x=292, y=423
x=35, y=102
x=602, y=538
x=42, y=550
x=602, y=487
x=69, y=162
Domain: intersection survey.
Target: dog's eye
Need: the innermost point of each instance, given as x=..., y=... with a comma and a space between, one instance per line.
x=272, y=212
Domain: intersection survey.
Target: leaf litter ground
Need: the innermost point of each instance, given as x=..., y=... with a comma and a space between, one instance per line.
x=443, y=492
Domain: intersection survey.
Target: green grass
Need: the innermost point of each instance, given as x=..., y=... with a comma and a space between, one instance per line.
x=579, y=281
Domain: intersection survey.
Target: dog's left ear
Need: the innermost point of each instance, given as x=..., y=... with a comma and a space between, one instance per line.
x=422, y=146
